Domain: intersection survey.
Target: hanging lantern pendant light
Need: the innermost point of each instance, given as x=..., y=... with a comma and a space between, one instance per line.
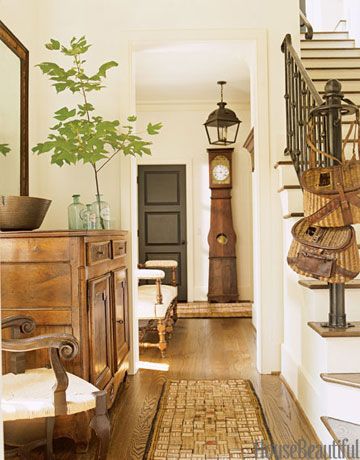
x=222, y=125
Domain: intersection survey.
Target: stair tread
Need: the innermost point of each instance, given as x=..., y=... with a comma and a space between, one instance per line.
x=283, y=163
x=339, y=78
x=333, y=68
x=329, y=40
x=330, y=48
x=289, y=187
x=333, y=57
x=293, y=214
x=316, y=284
x=342, y=430
x=327, y=332
x=347, y=379
x=331, y=32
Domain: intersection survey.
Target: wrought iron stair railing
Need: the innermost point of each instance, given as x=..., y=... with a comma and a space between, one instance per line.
x=303, y=102
x=301, y=97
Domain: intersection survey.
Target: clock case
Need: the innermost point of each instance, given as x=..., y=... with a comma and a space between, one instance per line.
x=222, y=256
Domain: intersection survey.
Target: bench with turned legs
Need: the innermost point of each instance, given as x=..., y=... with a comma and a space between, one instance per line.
x=157, y=303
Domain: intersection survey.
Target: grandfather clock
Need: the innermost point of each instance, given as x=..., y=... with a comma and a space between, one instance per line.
x=222, y=237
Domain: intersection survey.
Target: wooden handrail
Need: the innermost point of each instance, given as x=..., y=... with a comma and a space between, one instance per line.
x=287, y=44
x=306, y=23
x=301, y=97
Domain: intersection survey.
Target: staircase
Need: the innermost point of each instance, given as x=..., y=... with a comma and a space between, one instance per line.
x=321, y=365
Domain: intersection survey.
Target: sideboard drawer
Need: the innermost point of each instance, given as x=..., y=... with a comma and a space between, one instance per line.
x=118, y=248
x=34, y=249
x=98, y=251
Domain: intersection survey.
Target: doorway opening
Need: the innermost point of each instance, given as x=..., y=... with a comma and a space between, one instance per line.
x=162, y=233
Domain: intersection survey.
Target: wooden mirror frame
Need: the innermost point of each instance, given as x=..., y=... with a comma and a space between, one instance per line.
x=9, y=39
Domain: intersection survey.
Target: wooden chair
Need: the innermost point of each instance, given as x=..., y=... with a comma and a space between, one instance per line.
x=32, y=398
x=157, y=303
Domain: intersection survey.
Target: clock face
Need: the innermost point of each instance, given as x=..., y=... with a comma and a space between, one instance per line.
x=220, y=170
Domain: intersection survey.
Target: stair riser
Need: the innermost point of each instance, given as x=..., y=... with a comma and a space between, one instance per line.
x=342, y=402
x=331, y=62
x=291, y=201
x=328, y=74
x=345, y=85
x=334, y=53
x=327, y=44
x=355, y=98
x=317, y=301
x=287, y=175
x=329, y=36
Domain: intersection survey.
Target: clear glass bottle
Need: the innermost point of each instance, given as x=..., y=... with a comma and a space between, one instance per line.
x=102, y=211
x=89, y=218
x=74, y=214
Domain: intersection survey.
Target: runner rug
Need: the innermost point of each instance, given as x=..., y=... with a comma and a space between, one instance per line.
x=208, y=419
x=214, y=310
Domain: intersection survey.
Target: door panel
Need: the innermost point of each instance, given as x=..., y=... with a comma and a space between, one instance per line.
x=162, y=228
x=100, y=331
x=162, y=218
x=120, y=320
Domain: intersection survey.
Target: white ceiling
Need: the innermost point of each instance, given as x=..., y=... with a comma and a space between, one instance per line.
x=180, y=72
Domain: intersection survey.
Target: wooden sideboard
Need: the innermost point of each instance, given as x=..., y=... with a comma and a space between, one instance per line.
x=75, y=282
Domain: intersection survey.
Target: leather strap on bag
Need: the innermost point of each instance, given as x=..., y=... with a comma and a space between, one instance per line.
x=355, y=142
x=343, y=199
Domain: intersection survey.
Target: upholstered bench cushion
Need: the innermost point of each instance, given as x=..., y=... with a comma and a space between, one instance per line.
x=161, y=264
x=30, y=395
x=147, y=308
x=147, y=274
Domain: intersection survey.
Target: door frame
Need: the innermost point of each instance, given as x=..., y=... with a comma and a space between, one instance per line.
x=269, y=142
x=149, y=161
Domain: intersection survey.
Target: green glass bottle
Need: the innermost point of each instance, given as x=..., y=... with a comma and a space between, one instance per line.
x=75, y=211
x=102, y=211
x=89, y=218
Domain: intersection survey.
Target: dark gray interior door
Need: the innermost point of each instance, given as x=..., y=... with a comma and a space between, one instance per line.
x=162, y=217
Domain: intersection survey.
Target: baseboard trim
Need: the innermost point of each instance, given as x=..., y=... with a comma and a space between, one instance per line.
x=299, y=406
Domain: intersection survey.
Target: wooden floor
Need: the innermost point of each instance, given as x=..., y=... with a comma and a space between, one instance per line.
x=200, y=348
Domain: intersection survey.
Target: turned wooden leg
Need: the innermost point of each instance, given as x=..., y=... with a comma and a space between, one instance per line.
x=50, y=423
x=169, y=326
x=100, y=423
x=162, y=337
x=175, y=315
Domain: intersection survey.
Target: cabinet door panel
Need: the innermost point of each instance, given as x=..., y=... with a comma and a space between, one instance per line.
x=100, y=331
x=121, y=322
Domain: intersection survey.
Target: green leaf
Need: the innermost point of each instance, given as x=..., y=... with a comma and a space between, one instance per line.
x=153, y=129
x=51, y=68
x=105, y=67
x=4, y=149
x=60, y=87
x=53, y=45
x=132, y=118
x=64, y=113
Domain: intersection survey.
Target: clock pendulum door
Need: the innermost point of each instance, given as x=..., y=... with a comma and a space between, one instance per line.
x=222, y=237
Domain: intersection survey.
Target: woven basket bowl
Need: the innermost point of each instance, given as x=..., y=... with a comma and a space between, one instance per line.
x=22, y=212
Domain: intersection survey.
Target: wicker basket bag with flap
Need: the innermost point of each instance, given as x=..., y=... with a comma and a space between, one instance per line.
x=327, y=254
x=332, y=194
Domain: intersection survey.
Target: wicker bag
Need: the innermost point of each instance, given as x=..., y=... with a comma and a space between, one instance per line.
x=327, y=254
x=332, y=194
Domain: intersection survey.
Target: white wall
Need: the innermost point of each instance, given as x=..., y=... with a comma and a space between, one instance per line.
x=324, y=15
x=112, y=26
x=352, y=16
x=183, y=141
